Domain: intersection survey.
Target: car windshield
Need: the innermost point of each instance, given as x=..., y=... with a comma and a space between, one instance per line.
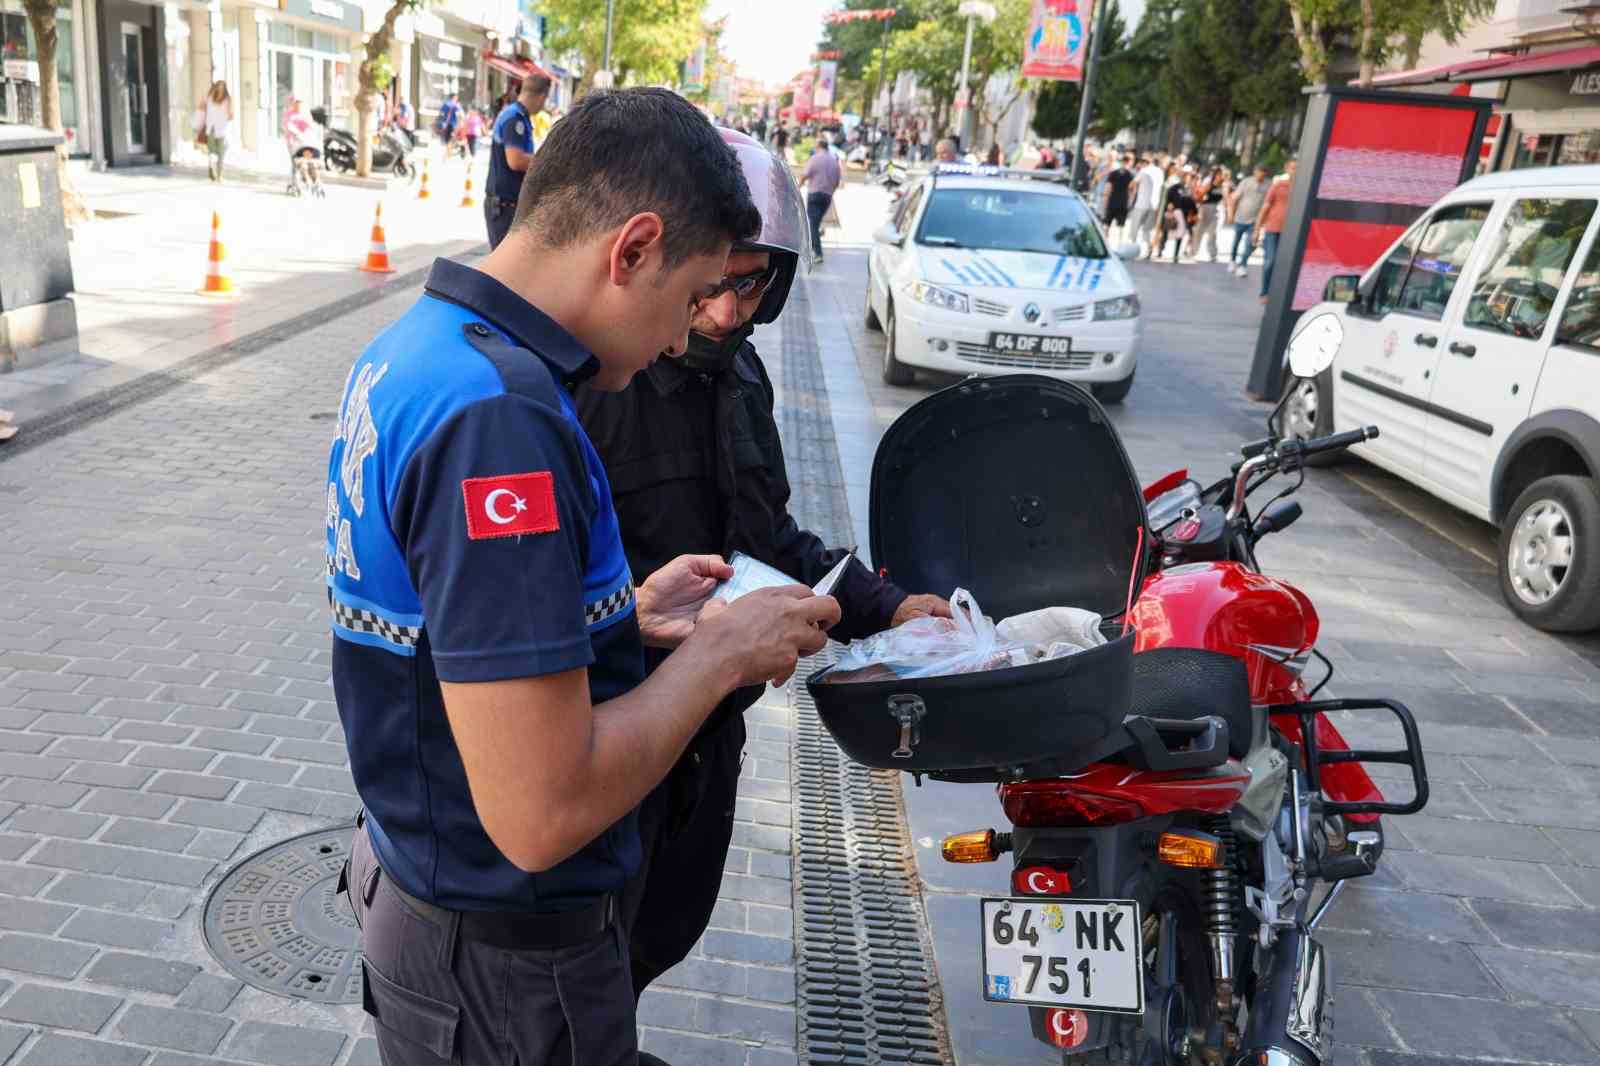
x=1010, y=220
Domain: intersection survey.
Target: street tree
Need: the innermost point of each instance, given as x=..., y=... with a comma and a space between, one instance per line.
x=47, y=39
x=1397, y=27
x=650, y=38
x=933, y=46
x=1251, y=48
x=1314, y=22
x=373, y=76
x=859, y=44
x=1196, y=85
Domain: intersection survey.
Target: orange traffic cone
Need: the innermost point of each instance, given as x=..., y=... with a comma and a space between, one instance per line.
x=423, y=193
x=466, y=197
x=218, y=283
x=378, y=251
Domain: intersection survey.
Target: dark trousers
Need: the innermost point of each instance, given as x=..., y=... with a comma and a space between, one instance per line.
x=685, y=827
x=816, y=207
x=439, y=999
x=1243, y=236
x=1269, y=256
x=497, y=216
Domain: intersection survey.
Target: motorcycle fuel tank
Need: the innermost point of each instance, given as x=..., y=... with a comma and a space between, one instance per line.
x=1225, y=607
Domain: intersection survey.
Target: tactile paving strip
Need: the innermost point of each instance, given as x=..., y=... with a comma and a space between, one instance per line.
x=276, y=922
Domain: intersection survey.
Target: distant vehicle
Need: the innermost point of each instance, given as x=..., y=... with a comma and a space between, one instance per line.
x=983, y=270
x=1488, y=392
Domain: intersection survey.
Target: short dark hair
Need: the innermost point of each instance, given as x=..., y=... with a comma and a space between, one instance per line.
x=630, y=150
x=537, y=83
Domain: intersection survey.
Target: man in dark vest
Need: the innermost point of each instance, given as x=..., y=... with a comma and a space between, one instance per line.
x=509, y=155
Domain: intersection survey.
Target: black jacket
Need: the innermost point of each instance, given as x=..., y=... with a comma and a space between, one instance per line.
x=696, y=467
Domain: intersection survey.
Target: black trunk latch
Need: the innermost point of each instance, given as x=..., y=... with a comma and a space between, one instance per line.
x=908, y=711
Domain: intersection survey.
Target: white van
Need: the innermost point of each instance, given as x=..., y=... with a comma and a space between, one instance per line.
x=1474, y=345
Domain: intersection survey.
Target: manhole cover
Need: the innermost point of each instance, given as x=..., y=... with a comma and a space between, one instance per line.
x=276, y=921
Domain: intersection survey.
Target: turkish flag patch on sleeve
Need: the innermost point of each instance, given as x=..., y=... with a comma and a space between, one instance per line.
x=511, y=505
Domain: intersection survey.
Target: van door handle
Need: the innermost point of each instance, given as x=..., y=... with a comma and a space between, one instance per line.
x=1426, y=340
x=1467, y=350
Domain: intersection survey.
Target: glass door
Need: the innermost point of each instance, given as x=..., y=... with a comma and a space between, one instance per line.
x=135, y=95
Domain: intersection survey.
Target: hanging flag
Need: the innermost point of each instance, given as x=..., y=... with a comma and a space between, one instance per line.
x=804, y=105
x=827, y=74
x=694, y=70
x=1057, y=43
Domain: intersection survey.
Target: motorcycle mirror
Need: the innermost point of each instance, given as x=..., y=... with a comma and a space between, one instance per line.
x=1315, y=345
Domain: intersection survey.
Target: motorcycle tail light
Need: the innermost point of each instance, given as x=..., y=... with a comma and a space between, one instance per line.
x=1191, y=849
x=1055, y=803
x=1066, y=1028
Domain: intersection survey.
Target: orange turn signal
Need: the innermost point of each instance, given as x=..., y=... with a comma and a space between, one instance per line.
x=977, y=846
x=1198, y=850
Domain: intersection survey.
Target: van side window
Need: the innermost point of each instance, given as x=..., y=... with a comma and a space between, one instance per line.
x=1441, y=256
x=1386, y=287
x=1522, y=276
x=1580, y=322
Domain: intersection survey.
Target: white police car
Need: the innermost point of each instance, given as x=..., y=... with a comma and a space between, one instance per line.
x=983, y=270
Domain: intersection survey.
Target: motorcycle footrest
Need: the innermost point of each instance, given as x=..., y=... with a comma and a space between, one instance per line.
x=1410, y=755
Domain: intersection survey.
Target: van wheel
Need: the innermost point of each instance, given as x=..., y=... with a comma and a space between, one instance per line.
x=1550, y=554
x=870, y=319
x=1308, y=412
x=1112, y=391
x=894, y=371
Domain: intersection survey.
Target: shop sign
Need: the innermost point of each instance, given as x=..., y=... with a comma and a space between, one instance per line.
x=346, y=16
x=21, y=70
x=1586, y=83
x=450, y=53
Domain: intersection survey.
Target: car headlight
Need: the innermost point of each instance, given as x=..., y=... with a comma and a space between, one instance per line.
x=1121, y=307
x=934, y=296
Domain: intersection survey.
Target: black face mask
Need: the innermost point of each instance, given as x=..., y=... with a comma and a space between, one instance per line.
x=713, y=356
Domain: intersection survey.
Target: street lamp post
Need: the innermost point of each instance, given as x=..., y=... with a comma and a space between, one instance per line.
x=970, y=9
x=606, y=63
x=1096, y=27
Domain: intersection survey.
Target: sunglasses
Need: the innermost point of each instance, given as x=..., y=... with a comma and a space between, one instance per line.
x=743, y=286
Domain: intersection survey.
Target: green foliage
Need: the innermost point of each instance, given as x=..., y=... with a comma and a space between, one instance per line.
x=1274, y=156
x=1055, y=112
x=650, y=38
x=859, y=41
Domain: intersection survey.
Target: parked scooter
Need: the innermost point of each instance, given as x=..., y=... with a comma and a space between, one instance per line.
x=390, y=153
x=1183, y=810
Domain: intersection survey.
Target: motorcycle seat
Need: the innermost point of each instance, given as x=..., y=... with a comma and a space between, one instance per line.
x=1191, y=683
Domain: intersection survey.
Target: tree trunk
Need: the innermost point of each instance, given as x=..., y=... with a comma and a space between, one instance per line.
x=378, y=45
x=42, y=19
x=1413, y=48
x=1308, y=34
x=1369, y=33
x=1252, y=141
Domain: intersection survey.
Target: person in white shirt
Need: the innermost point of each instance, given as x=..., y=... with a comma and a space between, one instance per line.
x=1146, y=201
x=213, y=122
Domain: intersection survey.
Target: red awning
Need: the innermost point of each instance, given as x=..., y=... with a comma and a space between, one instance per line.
x=1538, y=63
x=1442, y=72
x=516, y=68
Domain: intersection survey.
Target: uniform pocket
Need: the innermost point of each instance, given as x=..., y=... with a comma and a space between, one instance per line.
x=596, y=990
x=422, y=1020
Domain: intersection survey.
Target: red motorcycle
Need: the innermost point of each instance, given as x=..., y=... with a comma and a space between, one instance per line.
x=1183, y=810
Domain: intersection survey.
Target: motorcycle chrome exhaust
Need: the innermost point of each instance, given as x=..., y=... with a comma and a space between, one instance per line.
x=1291, y=1020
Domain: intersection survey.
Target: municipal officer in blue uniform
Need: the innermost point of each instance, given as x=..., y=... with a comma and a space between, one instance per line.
x=510, y=151
x=488, y=643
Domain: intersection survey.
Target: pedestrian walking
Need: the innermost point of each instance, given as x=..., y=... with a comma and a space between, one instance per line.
x=488, y=639
x=1119, y=183
x=670, y=442
x=820, y=179
x=1274, y=213
x=448, y=121
x=472, y=128
x=213, y=124
x=304, y=147
x=1245, y=203
x=510, y=151
x=1143, y=218
x=1209, y=193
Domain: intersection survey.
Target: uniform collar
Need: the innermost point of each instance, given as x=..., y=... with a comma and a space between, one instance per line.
x=667, y=375
x=524, y=323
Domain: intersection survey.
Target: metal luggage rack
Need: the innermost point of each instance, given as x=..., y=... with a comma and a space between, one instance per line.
x=1317, y=758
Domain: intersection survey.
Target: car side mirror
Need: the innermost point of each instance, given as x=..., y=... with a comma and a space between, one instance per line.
x=1127, y=250
x=887, y=234
x=1342, y=289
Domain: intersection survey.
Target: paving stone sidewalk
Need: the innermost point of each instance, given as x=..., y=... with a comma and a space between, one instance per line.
x=165, y=710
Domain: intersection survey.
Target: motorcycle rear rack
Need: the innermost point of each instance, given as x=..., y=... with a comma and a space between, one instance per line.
x=1316, y=757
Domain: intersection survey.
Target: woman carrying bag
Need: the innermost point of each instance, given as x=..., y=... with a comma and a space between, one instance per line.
x=213, y=121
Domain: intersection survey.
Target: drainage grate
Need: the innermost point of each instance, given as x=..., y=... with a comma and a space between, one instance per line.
x=867, y=990
x=276, y=922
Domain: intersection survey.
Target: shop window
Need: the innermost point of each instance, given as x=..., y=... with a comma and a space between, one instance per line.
x=1522, y=276
x=1441, y=256
x=305, y=39
x=1577, y=149
x=1580, y=322
x=281, y=34
x=16, y=42
x=326, y=42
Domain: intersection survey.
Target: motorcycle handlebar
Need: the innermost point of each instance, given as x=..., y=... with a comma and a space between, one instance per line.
x=1287, y=456
x=1336, y=441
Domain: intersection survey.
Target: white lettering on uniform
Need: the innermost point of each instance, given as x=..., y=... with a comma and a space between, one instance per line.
x=344, y=557
x=360, y=435
x=333, y=505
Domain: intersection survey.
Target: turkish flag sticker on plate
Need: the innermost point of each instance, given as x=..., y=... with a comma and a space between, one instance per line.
x=511, y=505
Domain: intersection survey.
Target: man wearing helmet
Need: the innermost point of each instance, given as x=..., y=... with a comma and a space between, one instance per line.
x=692, y=452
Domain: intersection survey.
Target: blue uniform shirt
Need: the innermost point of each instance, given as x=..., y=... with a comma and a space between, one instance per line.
x=512, y=127
x=470, y=538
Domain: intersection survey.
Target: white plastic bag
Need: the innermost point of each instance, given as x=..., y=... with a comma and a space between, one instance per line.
x=933, y=647
x=1054, y=631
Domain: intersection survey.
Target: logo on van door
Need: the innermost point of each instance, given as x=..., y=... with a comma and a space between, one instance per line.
x=1391, y=342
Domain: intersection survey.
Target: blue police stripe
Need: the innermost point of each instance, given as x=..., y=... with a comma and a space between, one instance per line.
x=1061, y=261
x=1010, y=282
x=960, y=274
x=985, y=271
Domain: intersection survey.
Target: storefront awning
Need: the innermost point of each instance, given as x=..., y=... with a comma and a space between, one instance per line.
x=514, y=68
x=1538, y=63
x=1442, y=72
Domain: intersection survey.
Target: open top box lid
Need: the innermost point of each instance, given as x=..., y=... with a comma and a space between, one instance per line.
x=1016, y=488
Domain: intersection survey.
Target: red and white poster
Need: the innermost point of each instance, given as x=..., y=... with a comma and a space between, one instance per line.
x=827, y=74
x=1057, y=42
x=804, y=87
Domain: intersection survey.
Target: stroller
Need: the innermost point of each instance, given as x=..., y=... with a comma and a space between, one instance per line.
x=305, y=157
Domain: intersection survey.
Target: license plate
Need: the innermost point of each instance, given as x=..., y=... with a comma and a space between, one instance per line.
x=1054, y=953
x=1030, y=343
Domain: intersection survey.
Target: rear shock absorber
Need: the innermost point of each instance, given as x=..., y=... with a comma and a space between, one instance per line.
x=1221, y=895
